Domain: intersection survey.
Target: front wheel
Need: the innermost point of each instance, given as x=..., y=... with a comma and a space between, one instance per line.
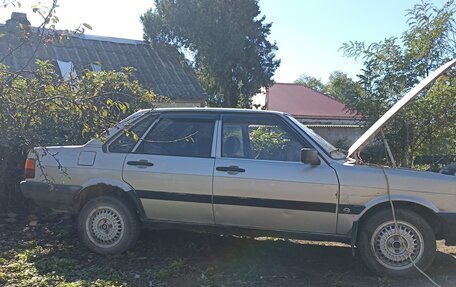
x=107, y=225
x=392, y=250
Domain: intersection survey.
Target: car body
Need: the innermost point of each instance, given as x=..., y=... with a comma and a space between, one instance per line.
x=246, y=172
x=449, y=169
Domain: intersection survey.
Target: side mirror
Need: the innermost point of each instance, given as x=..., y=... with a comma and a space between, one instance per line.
x=310, y=156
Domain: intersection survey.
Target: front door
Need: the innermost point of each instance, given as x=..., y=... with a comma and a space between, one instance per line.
x=171, y=169
x=260, y=182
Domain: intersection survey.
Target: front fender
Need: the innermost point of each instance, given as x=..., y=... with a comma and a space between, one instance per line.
x=399, y=198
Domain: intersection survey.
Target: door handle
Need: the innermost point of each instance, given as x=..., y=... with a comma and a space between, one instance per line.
x=140, y=163
x=231, y=168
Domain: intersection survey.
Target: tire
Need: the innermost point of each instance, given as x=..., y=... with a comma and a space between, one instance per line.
x=381, y=250
x=107, y=225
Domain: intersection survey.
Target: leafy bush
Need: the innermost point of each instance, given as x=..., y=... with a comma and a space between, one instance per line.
x=39, y=108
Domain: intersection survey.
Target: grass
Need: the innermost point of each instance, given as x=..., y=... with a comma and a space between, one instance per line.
x=50, y=254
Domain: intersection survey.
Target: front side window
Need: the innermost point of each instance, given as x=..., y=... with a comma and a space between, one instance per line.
x=261, y=139
x=335, y=153
x=179, y=137
x=233, y=136
x=128, y=138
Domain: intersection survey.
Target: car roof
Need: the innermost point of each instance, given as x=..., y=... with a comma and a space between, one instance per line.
x=216, y=110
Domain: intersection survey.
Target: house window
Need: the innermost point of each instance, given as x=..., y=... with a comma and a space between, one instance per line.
x=67, y=70
x=95, y=67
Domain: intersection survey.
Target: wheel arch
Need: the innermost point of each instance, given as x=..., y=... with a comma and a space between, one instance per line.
x=423, y=207
x=117, y=188
x=399, y=198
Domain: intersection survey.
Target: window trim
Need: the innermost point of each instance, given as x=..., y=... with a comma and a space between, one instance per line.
x=180, y=117
x=157, y=119
x=121, y=131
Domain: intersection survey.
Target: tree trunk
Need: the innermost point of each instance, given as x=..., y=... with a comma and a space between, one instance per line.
x=230, y=95
x=407, y=151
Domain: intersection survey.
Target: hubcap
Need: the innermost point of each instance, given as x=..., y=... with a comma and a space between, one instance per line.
x=105, y=227
x=393, y=247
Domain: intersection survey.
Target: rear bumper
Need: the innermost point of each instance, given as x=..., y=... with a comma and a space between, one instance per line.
x=56, y=196
x=449, y=227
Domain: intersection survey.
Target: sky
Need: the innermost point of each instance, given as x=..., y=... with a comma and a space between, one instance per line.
x=308, y=33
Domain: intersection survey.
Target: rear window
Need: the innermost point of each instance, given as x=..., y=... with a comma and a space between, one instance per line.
x=128, y=139
x=179, y=137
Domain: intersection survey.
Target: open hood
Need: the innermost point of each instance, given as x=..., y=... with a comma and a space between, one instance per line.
x=377, y=126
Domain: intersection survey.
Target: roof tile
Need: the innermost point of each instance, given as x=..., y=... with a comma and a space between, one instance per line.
x=299, y=100
x=158, y=68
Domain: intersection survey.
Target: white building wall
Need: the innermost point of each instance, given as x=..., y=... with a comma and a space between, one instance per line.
x=259, y=100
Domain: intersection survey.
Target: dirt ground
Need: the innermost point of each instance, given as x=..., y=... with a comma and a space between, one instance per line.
x=44, y=251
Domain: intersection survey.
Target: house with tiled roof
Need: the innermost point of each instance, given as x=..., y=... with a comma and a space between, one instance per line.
x=161, y=68
x=327, y=116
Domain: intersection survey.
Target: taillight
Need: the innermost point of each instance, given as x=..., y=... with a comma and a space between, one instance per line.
x=29, y=168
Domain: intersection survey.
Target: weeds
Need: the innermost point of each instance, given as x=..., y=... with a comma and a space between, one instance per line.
x=51, y=255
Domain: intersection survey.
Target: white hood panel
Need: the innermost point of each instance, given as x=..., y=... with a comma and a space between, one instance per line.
x=376, y=127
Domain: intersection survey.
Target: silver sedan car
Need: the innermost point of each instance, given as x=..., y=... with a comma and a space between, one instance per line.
x=243, y=172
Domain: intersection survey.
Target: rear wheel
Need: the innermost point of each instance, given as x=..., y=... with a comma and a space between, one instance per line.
x=107, y=225
x=389, y=250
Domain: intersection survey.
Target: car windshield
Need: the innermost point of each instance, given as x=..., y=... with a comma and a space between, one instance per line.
x=335, y=153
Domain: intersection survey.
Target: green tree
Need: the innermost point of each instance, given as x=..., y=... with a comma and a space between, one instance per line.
x=393, y=66
x=39, y=108
x=225, y=40
x=340, y=86
x=310, y=82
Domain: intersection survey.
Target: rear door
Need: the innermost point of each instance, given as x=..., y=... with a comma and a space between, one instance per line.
x=260, y=182
x=171, y=168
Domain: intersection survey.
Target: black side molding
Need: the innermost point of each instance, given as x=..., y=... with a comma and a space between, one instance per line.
x=249, y=201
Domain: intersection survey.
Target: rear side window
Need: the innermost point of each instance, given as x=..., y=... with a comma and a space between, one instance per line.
x=128, y=139
x=179, y=137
